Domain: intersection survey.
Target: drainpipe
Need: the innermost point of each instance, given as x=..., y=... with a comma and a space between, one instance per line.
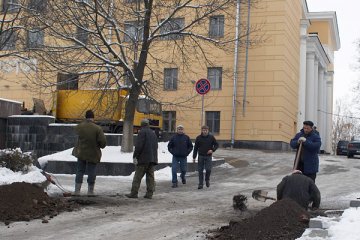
x=246, y=58
x=236, y=62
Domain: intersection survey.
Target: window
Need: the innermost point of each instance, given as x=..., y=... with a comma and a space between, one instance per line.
x=212, y=120
x=35, y=38
x=7, y=40
x=10, y=5
x=215, y=77
x=82, y=35
x=172, y=25
x=169, y=121
x=170, y=78
x=133, y=31
x=216, y=28
x=132, y=1
x=67, y=81
x=37, y=5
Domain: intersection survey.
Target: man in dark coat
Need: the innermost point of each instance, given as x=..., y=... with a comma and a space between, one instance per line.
x=90, y=139
x=180, y=146
x=311, y=142
x=300, y=189
x=205, y=145
x=145, y=158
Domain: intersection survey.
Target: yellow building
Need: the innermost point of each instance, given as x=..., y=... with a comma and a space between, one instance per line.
x=261, y=91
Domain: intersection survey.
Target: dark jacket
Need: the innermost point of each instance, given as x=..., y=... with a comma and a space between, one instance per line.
x=180, y=145
x=203, y=144
x=309, y=152
x=146, y=146
x=299, y=188
x=91, y=139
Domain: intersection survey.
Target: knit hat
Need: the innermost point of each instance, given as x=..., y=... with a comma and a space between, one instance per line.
x=145, y=122
x=89, y=114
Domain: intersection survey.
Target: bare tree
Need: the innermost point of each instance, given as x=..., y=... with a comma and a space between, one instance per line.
x=112, y=43
x=345, y=125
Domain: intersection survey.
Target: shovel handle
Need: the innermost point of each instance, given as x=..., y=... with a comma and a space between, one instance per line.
x=297, y=158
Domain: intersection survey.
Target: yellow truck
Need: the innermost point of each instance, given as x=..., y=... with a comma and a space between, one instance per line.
x=109, y=108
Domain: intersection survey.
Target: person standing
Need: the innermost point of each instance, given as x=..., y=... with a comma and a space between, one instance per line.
x=311, y=142
x=90, y=139
x=205, y=146
x=145, y=158
x=180, y=146
x=299, y=188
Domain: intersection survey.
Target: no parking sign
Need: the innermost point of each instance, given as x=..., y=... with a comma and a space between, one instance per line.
x=203, y=86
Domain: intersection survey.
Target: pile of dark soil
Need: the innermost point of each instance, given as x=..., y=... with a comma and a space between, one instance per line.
x=25, y=201
x=283, y=220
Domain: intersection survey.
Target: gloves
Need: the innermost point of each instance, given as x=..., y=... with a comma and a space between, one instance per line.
x=301, y=139
x=135, y=161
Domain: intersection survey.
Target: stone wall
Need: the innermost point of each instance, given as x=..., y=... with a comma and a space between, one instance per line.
x=41, y=136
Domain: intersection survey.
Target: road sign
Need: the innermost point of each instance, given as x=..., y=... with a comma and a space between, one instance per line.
x=202, y=86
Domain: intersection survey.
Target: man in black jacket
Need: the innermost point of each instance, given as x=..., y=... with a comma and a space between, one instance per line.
x=205, y=145
x=145, y=158
x=180, y=146
x=299, y=188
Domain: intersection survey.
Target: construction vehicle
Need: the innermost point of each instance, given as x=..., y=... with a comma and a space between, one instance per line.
x=109, y=107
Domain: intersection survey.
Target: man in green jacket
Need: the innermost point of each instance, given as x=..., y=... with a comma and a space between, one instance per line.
x=145, y=158
x=90, y=139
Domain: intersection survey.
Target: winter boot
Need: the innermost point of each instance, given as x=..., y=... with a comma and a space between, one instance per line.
x=77, y=189
x=91, y=189
x=131, y=195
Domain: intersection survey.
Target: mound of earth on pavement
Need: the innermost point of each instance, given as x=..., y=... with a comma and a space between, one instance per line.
x=284, y=219
x=25, y=201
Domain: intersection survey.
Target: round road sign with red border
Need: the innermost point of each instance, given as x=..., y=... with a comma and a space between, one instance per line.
x=202, y=86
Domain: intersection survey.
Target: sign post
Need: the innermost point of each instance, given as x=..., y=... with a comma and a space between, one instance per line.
x=202, y=87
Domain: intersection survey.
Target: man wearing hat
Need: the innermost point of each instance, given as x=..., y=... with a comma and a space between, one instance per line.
x=145, y=158
x=311, y=142
x=90, y=139
x=180, y=146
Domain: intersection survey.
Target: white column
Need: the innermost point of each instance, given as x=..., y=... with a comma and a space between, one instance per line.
x=315, y=105
x=329, y=109
x=309, y=94
x=321, y=125
x=302, y=75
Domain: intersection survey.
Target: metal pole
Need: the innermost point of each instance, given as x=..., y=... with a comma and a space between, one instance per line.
x=202, y=110
x=236, y=62
x=246, y=58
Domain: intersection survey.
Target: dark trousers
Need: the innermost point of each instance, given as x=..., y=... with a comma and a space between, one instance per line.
x=204, y=162
x=80, y=171
x=310, y=175
x=140, y=171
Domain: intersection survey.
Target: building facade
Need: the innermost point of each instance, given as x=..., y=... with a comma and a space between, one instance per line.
x=262, y=89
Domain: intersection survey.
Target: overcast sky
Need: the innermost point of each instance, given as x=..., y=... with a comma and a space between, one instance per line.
x=348, y=17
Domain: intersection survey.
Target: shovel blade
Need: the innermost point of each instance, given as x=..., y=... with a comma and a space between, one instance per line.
x=260, y=195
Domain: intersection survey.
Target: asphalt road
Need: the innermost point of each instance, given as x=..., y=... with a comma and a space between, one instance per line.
x=186, y=212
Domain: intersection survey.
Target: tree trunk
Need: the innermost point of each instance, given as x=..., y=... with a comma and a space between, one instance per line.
x=127, y=142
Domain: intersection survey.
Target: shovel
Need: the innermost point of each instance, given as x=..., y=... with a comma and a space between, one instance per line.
x=261, y=195
x=297, y=158
x=54, y=181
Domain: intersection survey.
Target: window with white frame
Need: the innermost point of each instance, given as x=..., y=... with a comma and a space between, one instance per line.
x=35, y=38
x=170, y=78
x=171, y=27
x=212, y=119
x=215, y=77
x=169, y=121
x=134, y=31
x=216, y=28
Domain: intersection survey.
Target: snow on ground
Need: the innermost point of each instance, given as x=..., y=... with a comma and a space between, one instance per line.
x=347, y=227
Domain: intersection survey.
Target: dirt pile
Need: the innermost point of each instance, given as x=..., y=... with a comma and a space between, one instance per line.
x=25, y=201
x=283, y=220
